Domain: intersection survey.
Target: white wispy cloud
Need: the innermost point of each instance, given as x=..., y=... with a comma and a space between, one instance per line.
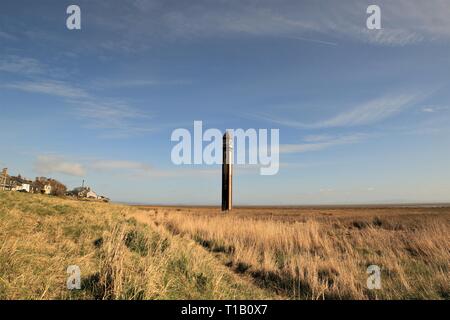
x=48, y=87
x=369, y=112
x=51, y=164
x=391, y=37
x=135, y=27
x=317, y=137
x=434, y=109
x=120, y=165
x=7, y=36
x=113, y=115
x=142, y=170
x=404, y=22
x=325, y=143
x=328, y=43
x=20, y=65
x=435, y=123
x=117, y=117
x=136, y=83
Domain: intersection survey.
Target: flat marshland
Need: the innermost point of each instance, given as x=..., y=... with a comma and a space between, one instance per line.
x=323, y=253
x=127, y=252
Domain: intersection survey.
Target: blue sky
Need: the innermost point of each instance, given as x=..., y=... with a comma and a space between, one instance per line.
x=363, y=114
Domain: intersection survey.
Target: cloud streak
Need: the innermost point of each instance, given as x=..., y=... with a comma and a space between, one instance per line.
x=48, y=87
x=137, y=26
x=112, y=165
x=136, y=83
x=367, y=113
x=117, y=118
x=323, y=143
x=51, y=164
x=20, y=65
x=140, y=170
x=370, y=112
x=7, y=36
x=404, y=22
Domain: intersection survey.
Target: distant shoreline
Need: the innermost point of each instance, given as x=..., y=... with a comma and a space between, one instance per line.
x=306, y=206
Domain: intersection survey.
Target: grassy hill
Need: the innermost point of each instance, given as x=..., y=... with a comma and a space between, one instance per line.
x=119, y=257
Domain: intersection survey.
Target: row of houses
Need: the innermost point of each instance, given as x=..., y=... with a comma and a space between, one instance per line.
x=45, y=185
x=18, y=183
x=14, y=183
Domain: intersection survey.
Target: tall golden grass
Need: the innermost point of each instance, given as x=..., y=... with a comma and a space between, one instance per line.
x=119, y=256
x=317, y=258
x=176, y=253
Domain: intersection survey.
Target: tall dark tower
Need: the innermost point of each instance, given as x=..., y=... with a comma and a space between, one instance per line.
x=227, y=173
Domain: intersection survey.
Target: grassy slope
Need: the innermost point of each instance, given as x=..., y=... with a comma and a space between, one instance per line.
x=119, y=256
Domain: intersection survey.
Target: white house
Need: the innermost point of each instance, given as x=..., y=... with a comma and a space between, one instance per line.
x=24, y=187
x=47, y=189
x=91, y=195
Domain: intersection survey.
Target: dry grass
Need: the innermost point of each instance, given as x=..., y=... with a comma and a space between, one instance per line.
x=119, y=257
x=326, y=255
x=197, y=253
